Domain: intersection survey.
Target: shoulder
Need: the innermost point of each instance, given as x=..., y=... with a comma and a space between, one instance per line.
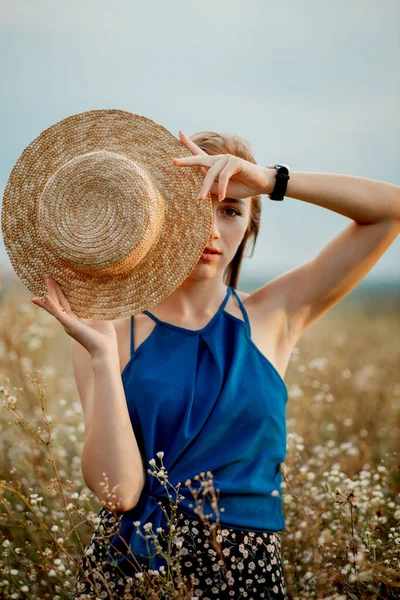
x=270, y=297
x=123, y=325
x=123, y=330
x=118, y=323
x=266, y=307
x=256, y=301
x=242, y=295
x=263, y=311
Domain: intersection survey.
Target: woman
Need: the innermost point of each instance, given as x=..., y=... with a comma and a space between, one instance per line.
x=215, y=359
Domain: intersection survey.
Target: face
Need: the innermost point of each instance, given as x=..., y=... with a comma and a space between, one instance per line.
x=230, y=221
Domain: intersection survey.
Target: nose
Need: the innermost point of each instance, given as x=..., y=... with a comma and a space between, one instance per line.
x=215, y=233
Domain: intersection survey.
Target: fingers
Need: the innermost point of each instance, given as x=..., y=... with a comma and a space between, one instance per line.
x=205, y=160
x=57, y=294
x=49, y=305
x=211, y=176
x=223, y=181
x=55, y=303
x=42, y=304
x=191, y=145
x=216, y=164
x=196, y=151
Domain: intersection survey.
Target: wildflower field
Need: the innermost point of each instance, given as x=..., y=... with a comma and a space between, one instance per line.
x=341, y=487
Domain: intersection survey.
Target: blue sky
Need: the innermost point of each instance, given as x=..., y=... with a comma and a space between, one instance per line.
x=312, y=84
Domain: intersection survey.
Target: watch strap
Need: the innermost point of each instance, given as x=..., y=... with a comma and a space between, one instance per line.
x=281, y=181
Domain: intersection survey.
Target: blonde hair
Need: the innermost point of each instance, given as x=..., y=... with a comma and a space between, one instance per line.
x=217, y=143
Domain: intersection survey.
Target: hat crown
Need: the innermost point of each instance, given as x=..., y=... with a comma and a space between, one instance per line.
x=91, y=221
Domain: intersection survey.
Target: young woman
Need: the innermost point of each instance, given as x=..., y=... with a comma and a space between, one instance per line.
x=201, y=376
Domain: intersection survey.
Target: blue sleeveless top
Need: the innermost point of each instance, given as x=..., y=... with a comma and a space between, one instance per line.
x=211, y=401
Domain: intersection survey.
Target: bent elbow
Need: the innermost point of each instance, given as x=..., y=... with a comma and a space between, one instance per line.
x=117, y=503
x=122, y=506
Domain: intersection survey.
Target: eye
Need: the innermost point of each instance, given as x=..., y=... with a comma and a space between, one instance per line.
x=236, y=212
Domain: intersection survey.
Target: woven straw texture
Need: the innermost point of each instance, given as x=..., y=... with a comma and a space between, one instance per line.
x=96, y=202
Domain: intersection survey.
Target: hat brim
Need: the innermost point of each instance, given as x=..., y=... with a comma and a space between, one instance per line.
x=185, y=233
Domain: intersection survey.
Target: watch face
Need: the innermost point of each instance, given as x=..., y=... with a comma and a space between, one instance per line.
x=286, y=166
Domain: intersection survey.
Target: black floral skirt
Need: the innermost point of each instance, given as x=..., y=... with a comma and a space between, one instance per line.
x=225, y=564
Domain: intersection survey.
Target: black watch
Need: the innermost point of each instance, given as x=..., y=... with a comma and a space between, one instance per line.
x=282, y=178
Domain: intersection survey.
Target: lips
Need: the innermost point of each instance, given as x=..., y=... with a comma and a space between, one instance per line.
x=209, y=250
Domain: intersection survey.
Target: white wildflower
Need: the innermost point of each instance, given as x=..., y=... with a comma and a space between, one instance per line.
x=283, y=468
x=34, y=343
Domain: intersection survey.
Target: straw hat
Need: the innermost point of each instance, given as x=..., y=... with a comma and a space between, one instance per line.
x=96, y=202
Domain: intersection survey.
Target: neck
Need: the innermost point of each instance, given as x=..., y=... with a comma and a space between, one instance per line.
x=193, y=299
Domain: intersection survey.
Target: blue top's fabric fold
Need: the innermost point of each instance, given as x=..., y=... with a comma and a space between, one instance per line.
x=211, y=401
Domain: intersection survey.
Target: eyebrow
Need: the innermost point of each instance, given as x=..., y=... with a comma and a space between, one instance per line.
x=234, y=201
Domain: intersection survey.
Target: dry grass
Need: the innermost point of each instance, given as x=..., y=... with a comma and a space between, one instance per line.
x=341, y=489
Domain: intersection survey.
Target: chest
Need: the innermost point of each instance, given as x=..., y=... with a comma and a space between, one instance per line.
x=267, y=334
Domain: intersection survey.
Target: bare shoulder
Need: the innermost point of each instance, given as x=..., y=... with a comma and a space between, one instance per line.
x=266, y=302
x=269, y=324
x=120, y=323
x=142, y=328
x=242, y=295
x=266, y=308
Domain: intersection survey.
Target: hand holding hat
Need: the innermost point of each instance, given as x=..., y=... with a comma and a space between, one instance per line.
x=97, y=337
